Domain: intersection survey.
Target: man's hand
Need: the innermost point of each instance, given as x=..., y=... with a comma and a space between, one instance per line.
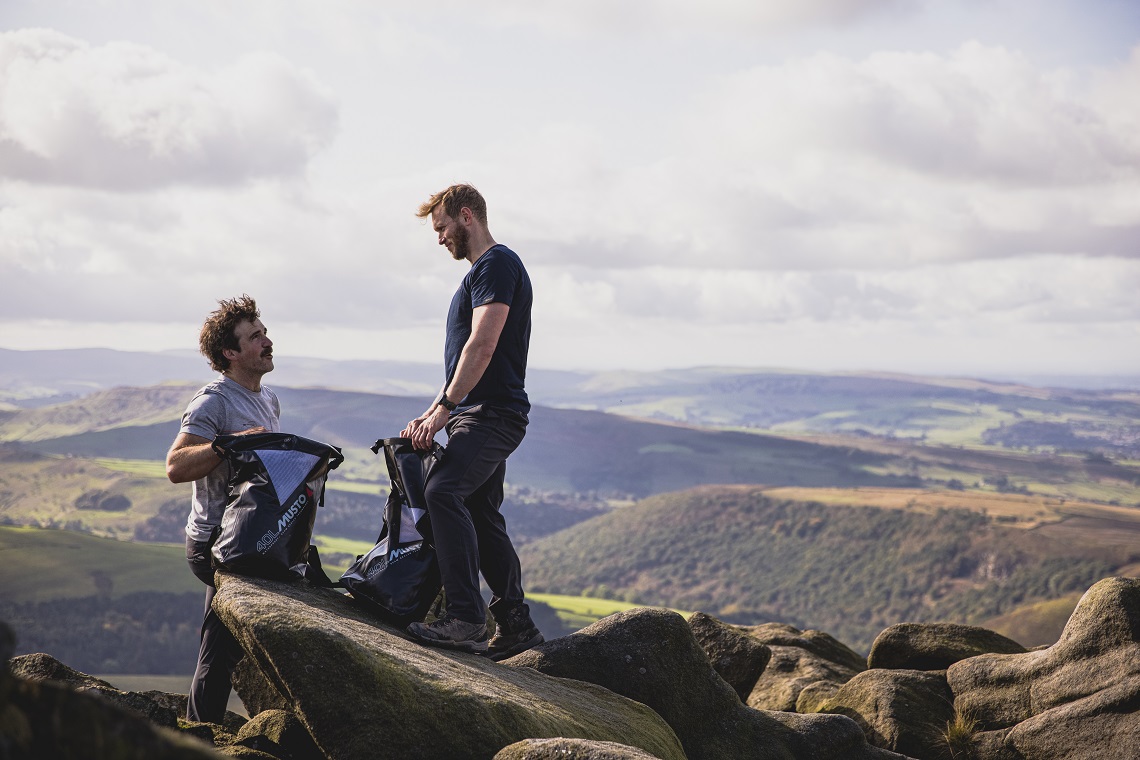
x=422, y=429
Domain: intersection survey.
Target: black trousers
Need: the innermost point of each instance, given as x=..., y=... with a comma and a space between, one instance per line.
x=218, y=653
x=464, y=492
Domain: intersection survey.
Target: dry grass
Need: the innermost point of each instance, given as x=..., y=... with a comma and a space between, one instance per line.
x=1024, y=511
x=959, y=735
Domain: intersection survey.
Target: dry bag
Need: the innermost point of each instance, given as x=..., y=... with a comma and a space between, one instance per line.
x=399, y=578
x=277, y=484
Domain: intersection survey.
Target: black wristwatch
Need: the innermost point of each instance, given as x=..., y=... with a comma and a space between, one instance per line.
x=447, y=403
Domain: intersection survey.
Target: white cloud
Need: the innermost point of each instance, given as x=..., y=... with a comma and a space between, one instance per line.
x=895, y=160
x=684, y=185
x=901, y=159
x=1033, y=289
x=679, y=16
x=126, y=117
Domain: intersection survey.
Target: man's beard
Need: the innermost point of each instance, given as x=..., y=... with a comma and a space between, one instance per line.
x=461, y=242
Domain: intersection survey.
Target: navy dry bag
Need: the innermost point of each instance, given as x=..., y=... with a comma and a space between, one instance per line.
x=399, y=578
x=277, y=484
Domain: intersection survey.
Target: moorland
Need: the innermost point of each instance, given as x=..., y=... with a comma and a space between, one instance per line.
x=841, y=502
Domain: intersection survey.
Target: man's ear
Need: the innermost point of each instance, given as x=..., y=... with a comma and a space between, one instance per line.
x=230, y=354
x=466, y=215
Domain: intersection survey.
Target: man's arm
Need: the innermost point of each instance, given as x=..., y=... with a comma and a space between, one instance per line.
x=192, y=456
x=487, y=323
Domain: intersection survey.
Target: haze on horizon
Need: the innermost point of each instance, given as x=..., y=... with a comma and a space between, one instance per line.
x=894, y=185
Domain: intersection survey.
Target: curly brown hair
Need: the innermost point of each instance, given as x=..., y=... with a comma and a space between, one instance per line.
x=218, y=331
x=454, y=198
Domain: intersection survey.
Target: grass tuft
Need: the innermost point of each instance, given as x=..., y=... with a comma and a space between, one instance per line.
x=959, y=735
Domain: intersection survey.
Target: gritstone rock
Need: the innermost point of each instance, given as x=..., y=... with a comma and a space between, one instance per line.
x=736, y=656
x=935, y=646
x=650, y=655
x=358, y=685
x=570, y=749
x=1079, y=698
x=32, y=713
x=901, y=710
x=800, y=660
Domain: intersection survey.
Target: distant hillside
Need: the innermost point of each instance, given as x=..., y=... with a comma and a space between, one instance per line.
x=571, y=462
x=30, y=379
x=565, y=450
x=931, y=409
x=743, y=556
x=1037, y=623
x=1090, y=415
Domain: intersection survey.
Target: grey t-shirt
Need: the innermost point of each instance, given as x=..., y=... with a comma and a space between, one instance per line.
x=223, y=406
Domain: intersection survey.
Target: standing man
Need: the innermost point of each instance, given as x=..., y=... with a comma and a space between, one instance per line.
x=484, y=407
x=235, y=341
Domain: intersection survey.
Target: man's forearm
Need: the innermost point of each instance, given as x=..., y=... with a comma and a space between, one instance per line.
x=486, y=325
x=473, y=362
x=191, y=462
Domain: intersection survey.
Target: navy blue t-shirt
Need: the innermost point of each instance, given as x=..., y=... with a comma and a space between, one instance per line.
x=498, y=276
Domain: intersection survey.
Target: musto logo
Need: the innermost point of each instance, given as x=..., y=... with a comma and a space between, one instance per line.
x=266, y=542
x=395, y=555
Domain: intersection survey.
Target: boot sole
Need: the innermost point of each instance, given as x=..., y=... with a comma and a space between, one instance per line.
x=471, y=647
x=518, y=648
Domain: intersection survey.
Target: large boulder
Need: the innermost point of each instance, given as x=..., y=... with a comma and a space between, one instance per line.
x=33, y=714
x=280, y=734
x=904, y=711
x=651, y=655
x=159, y=707
x=736, y=656
x=43, y=667
x=935, y=646
x=570, y=749
x=254, y=689
x=801, y=660
x=362, y=688
x=1079, y=698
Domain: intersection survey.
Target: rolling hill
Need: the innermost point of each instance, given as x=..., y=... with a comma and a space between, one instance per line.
x=565, y=449
x=571, y=450
x=1082, y=414
x=749, y=555
x=839, y=502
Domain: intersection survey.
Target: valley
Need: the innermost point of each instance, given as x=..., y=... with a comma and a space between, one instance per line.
x=842, y=503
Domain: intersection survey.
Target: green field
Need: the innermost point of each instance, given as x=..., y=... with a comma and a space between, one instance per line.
x=356, y=486
x=142, y=467
x=38, y=565
x=580, y=611
x=338, y=553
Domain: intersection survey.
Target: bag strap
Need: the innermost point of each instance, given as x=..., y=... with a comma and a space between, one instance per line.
x=315, y=572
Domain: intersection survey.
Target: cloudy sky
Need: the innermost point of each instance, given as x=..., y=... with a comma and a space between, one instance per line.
x=935, y=187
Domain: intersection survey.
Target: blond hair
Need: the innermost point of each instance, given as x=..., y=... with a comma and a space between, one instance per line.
x=453, y=199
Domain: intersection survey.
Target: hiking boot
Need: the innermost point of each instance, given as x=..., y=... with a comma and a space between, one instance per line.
x=451, y=633
x=515, y=633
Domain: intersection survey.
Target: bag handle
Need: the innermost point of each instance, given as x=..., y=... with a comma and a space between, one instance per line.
x=390, y=445
x=392, y=517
